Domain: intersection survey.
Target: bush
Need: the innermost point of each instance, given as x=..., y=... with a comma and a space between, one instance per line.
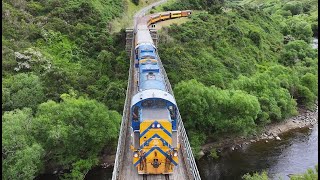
x=275, y=101
x=70, y=123
x=309, y=175
x=216, y=110
x=256, y=176
x=296, y=51
x=295, y=7
x=213, y=154
x=21, y=154
x=22, y=90
x=255, y=37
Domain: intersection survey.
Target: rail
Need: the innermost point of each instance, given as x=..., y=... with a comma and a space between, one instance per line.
x=124, y=123
x=186, y=151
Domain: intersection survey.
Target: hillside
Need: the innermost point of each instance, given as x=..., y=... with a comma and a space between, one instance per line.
x=240, y=65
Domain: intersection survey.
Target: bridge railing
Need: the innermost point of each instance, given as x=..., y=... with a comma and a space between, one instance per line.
x=184, y=142
x=124, y=123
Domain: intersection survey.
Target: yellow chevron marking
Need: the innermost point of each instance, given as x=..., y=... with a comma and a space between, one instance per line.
x=164, y=123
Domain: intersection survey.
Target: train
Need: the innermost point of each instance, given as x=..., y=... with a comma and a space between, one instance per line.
x=153, y=110
x=167, y=15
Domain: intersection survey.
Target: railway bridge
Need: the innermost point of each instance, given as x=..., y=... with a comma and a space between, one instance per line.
x=123, y=167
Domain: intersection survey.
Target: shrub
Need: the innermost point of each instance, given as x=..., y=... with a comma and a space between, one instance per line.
x=213, y=154
x=256, y=176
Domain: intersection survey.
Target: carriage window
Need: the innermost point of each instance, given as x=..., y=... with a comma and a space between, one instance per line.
x=135, y=114
x=160, y=103
x=147, y=103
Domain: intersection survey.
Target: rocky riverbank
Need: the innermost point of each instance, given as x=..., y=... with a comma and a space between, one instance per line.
x=305, y=119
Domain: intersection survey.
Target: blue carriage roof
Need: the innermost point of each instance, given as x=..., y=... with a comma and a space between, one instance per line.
x=152, y=93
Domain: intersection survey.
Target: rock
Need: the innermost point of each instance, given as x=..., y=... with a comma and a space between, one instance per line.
x=201, y=153
x=232, y=148
x=270, y=137
x=252, y=140
x=294, y=121
x=310, y=128
x=278, y=138
x=267, y=141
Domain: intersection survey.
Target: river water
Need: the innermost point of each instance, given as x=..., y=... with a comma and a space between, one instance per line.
x=295, y=153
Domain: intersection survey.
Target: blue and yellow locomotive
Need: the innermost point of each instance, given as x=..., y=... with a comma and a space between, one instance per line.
x=153, y=112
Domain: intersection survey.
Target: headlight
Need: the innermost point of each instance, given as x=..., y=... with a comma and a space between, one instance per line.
x=158, y=125
x=135, y=154
x=175, y=153
x=153, y=126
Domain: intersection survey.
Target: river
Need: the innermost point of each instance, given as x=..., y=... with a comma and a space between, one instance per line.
x=295, y=153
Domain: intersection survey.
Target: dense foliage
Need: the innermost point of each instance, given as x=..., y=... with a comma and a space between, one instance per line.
x=50, y=48
x=214, y=110
x=21, y=153
x=68, y=135
x=68, y=46
x=251, y=51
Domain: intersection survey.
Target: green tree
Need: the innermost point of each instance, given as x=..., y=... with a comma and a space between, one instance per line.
x=74, y=129
x=22, y=90
x=299, y=28
x=213, y=110
x=295, y=7
x=296, y=51
x=276, y=102
x=21, y=154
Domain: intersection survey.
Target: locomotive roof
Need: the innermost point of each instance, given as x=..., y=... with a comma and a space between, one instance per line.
x=152, y=93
